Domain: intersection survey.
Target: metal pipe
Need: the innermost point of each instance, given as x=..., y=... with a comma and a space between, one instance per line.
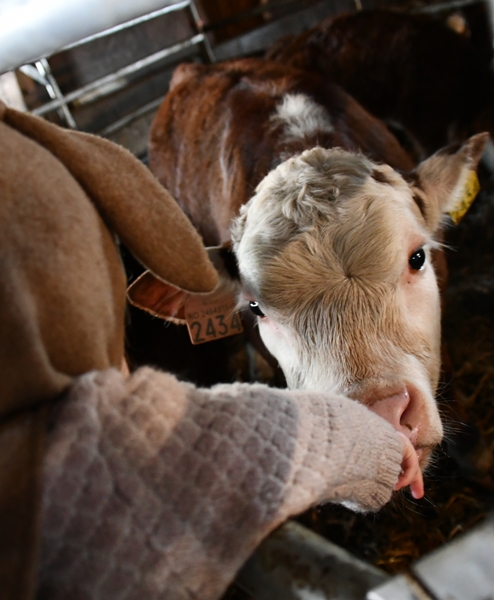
x=109, y=83
x=294, y=563
x=490, y=8
x=259, y=39
x=444, y=6
x=253, y=12
x=198, y=23
x=54, y=91
x=131, y=23
x=34, y=29
x=124, y=121
x=32, y=72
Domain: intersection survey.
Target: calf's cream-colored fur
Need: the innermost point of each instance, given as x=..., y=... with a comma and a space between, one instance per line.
x=325, y=249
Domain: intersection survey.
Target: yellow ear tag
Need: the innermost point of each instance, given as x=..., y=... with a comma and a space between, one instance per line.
x=472, y=188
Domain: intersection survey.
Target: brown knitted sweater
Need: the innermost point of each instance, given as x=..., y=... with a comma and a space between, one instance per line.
x=156, y=489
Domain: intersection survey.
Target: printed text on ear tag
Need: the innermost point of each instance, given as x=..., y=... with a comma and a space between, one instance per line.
x=212, y=316
x=472, y=188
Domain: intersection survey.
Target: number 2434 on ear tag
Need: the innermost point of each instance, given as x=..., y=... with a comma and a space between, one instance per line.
x=212, y=316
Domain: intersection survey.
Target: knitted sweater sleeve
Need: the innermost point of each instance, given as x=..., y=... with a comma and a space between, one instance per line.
x=156, y=489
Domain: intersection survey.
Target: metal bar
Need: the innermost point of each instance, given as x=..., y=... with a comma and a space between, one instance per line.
x=462, y=569
x=120, y=74
x=153, y=15
x=253, y=12
x=121, y=123
x=259, y=39
x=34, y=29
x=490, y=10
x=198, y=23
x=401, y=587
x=443, y=6
x=294, y=563
x=32, y=72
x=54, y=91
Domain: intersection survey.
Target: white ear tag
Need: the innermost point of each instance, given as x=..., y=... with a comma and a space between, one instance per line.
x=472, y=188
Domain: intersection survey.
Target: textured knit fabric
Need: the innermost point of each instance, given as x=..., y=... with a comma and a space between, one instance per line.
x=156, y=489
x=64, y=196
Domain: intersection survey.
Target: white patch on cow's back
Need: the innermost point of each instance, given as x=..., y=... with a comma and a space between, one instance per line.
x=223, y=158
x=308, y=594
x=301, y=116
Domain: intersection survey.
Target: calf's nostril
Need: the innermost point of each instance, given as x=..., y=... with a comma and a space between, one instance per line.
x=397, y=410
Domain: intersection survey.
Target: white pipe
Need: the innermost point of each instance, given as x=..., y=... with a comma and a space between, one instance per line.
x=32, y=29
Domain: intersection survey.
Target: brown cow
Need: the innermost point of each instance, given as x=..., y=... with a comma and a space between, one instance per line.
x=220, y=130
x=333, y=245
x=408, y=69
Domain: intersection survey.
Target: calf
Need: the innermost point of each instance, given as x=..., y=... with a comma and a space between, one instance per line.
x=333, y=244
x=221, y=129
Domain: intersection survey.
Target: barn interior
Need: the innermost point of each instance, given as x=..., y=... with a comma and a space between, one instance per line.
x=111, y=82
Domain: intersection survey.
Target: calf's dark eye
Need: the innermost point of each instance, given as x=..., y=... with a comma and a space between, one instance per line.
x=254, y=307
x=417, y=260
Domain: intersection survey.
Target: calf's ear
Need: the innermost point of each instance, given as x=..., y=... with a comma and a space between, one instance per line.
x=444, y=178
x=158, y=298
x=168, y=302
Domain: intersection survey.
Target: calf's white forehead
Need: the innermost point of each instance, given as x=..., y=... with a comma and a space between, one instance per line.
x=326, y=202
x=324, y=247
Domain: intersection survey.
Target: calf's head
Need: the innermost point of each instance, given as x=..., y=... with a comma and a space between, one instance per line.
x=334, y=253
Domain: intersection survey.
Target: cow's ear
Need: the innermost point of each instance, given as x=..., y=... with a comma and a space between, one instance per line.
x=444, y=178
x=157, y=297
x=168, y=302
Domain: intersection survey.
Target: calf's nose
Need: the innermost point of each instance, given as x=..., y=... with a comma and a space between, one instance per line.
x=398, y=411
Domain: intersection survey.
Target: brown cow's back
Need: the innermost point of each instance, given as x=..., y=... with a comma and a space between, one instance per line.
x=214, y=172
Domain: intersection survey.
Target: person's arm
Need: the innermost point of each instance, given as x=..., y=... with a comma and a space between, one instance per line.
x=156, y=489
